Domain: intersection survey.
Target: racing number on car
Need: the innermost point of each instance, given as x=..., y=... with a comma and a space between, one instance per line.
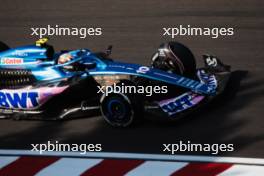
x=143, y=69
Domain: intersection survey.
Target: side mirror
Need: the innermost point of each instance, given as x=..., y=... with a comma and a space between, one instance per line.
x=109, y=50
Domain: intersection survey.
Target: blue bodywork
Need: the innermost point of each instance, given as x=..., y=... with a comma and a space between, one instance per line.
x=34, y=58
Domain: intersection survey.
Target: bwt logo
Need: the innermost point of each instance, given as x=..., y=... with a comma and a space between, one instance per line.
x=18, y=100
x=178, y=105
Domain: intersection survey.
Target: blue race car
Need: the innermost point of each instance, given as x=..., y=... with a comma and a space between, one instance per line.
x=35, y=84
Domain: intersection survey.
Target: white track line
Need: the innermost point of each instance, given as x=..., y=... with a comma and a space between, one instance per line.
x=69, y=166
x=187, y=158
x=243, y=170
x=5, y=160
x=156, y=168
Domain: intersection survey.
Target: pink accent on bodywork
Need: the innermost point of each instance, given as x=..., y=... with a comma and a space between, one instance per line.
x=46, y=93
x=195, y=98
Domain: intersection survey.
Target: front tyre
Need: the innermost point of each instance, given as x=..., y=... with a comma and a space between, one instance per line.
x=175, y=57
x=118, y=109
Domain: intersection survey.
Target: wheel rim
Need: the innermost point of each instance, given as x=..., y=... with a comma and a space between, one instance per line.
x=117, y=111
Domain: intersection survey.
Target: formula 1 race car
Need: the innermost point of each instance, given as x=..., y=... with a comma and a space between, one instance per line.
x=35, y=85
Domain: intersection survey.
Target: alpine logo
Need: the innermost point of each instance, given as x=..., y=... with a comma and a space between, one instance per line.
x=12, y=61
x=18, y=100
x=143, y=69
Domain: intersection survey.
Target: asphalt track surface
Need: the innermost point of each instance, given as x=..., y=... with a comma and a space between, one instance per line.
x=135, y=30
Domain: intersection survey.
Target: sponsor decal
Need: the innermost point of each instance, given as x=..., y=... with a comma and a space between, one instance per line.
x=19, y=53
x=27, y=99
x=181, y=103
x=18, y=100
x=12, y=61
x=211, y=61
x=208, y=79
x=162, y=53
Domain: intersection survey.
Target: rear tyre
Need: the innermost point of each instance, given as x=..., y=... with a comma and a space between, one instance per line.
x=3, y=47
